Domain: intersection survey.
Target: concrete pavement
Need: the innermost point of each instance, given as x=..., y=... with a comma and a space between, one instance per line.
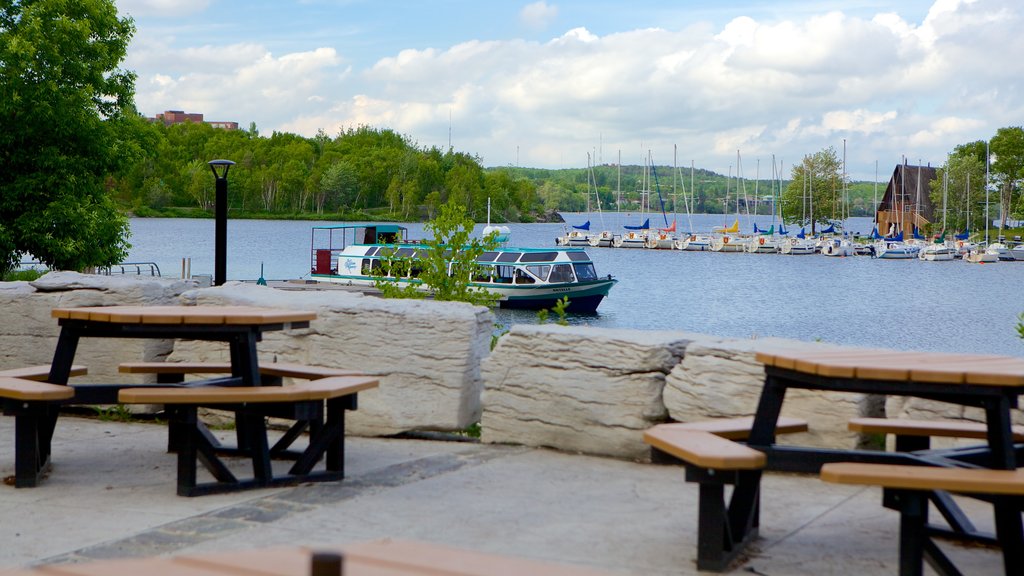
x=111, y=494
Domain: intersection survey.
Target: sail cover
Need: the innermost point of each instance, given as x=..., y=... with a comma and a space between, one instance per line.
x=802, y=234
x=966, y=234
x=645, y=226
x=830, y=230
x=584, y=226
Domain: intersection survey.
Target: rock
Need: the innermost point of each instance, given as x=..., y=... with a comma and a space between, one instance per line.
x=426, y=353
x=720, y=378
x=576, y=388
x=28, y=332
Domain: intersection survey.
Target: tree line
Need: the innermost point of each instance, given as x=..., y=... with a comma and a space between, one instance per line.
x=360, y=173
x=979, y=181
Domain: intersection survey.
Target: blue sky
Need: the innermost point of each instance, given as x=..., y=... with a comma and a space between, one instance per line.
x=544, y=83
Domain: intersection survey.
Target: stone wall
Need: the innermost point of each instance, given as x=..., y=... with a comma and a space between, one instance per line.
x=584, y=389
x=571, y=388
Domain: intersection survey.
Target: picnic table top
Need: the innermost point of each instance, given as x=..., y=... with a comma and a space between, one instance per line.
x=187, y=315
x=880, y=364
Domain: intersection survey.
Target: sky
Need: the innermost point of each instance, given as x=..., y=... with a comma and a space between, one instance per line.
x=727, y=85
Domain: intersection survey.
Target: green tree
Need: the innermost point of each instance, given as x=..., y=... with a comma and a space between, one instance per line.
x=446, y=262
x=1007, y=148
x=961, y=181
x=65, y=108
x=814, y=195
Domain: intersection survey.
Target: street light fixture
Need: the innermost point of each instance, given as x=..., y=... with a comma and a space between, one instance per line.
x=220, y=234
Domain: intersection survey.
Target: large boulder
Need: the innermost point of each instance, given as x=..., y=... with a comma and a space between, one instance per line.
x=576, y=388
x=427, y=354
x=28, y=332
x=721, y=378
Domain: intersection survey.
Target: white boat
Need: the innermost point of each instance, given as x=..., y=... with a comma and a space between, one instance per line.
x=837, y=247
x=575, y=238
x=661, y=241
x=729, y=243
x=763, y=244
x=1017, y=251
x=1002, y=251
x=527, y=278
x=632, y=239
x=603, y=239
x=891, y=249
x=938, y=252
x=798, y=246
x=979, y=255
x=694, y=243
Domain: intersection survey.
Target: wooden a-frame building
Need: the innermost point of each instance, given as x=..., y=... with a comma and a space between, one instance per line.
x=906, y=203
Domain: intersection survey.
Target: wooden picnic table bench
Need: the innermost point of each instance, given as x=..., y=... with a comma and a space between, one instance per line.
x=33, y=404
x=303, y=400
x=908, y=489
x=714, y=459
x=386, y=557
x=914, y=435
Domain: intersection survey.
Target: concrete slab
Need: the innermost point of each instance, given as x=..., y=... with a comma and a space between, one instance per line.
x=111, y=494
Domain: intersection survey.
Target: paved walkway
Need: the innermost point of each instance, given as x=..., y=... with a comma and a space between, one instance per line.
x=111, y=494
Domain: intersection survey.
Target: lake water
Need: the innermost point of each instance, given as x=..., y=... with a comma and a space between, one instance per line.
x=939, y=306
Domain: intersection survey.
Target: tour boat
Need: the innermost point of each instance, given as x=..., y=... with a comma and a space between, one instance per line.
x=527, y=278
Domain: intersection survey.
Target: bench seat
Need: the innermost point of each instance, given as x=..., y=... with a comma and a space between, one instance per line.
x=704, y=449
x=303, y=401
x=34, y=406
x=908, y=489
x=32, y=390
x=962, y=480
x=40, y=373
x=714, y=459
x=321, y=389
x=927, y=428
x=272, y=369
x=738, y=428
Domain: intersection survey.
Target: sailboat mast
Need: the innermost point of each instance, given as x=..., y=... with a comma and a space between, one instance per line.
x=988, y=220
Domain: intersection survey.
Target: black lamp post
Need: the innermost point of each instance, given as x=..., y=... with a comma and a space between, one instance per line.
x=220, y=234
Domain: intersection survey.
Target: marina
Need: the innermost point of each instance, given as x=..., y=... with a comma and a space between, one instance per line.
x=948, y=306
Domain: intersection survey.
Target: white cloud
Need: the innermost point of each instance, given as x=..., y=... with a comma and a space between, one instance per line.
x=538, y=15
x=789, y=87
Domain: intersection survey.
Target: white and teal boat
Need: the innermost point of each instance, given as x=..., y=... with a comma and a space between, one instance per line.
x=527, y=278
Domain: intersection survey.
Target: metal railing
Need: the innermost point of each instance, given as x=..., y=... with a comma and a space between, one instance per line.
x=136, y=268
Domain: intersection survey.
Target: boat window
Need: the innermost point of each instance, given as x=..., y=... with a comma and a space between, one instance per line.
x=371, y=267
x=540, y=271
x=523, y=278
x=539, y=257
x=483, y=274
x=585, y=272
x=578, y=256
x=508, y=256
x=373, y=251
x=487, y=257
x=504, y=274
x=405, y=252
x=561, y=273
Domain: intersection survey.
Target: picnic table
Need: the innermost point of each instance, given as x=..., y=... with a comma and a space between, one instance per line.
x=991, y=383
x=374, y=558
x=242, y=391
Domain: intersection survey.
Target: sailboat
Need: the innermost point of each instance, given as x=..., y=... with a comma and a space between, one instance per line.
x=636, y=236
x=766, y=242
x=577, y=236
x=838, y=246
x=940, y=250
x=664, y=238
x=692, y=242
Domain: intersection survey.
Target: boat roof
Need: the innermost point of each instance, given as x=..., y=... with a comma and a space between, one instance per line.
x=379, y=227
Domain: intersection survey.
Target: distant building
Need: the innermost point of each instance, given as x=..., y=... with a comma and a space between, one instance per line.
x=170, y=117
x=906, y=204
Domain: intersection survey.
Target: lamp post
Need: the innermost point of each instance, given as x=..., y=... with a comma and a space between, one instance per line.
x=220, y=234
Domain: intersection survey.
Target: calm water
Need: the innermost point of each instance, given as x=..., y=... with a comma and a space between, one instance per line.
x=942, y=306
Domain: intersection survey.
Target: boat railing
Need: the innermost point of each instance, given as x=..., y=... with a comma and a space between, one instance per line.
x=134, y=268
